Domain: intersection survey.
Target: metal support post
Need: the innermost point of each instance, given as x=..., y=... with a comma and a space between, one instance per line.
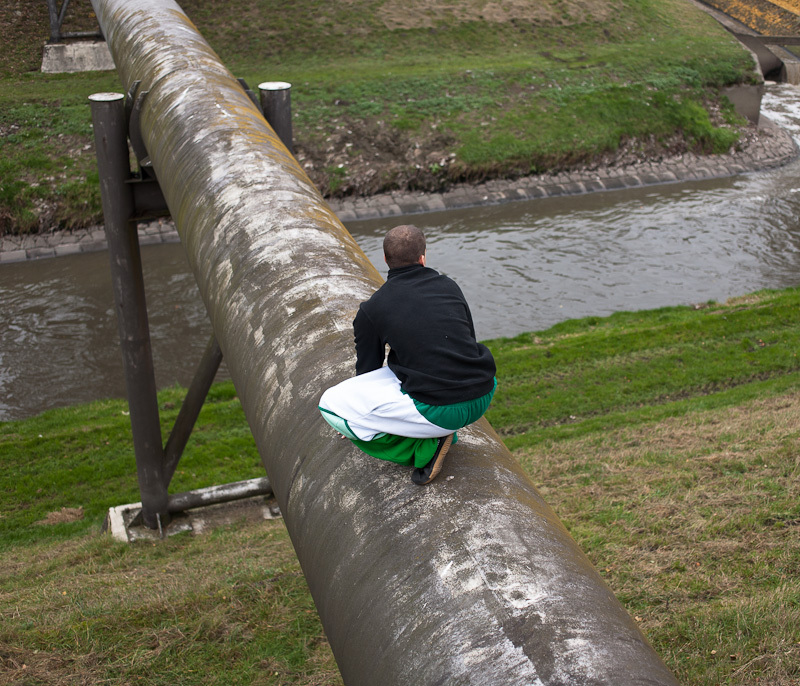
x=276, y=103
x=56, y=18
x=111, y=144
x=192, y=404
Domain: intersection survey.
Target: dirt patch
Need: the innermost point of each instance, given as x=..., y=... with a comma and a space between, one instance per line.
x=21, y=666
x=365, y=156
x=63, y=516
x=418, y=14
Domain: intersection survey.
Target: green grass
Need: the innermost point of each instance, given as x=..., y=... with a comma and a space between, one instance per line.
x=231, y=607
x=82, y=456
x=480, y=98
x=667, y=441
x=654, y=363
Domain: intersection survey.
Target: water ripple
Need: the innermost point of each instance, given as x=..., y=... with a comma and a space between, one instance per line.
x=523, y=266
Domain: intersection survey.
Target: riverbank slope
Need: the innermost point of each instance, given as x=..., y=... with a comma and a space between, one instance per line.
x=666, y=441
x=397, y=97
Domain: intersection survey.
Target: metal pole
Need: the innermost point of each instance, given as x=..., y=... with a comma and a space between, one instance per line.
x=276, y=102
x=192, y=404
x=472, y=580
x=111, y=145
x=180, y=502
x=55, y=24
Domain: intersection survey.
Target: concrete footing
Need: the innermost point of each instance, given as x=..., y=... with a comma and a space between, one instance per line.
x=62, y=58
x=746, y=100
x=124, y=525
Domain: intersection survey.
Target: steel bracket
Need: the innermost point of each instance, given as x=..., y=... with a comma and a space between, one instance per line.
x=148, y=200
x=134, y=101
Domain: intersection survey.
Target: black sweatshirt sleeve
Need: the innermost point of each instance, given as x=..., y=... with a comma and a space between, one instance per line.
x=370, y=349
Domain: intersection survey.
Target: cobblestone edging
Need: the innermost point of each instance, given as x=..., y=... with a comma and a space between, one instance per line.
x=60, y=243
x=772, y=147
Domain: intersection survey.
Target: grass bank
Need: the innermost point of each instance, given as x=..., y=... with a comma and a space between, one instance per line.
x=413, y=95
x=667, y=442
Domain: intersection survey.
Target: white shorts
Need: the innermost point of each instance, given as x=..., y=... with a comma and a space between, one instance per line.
x=372, y=404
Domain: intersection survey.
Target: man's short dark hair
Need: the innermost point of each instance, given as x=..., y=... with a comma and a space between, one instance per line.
x=403, y=246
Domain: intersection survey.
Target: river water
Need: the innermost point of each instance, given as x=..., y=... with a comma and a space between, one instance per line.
x=523, y=266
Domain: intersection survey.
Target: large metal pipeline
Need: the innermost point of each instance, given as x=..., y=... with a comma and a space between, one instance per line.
x=471, y=580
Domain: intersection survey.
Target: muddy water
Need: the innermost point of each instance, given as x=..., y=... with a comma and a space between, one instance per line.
x=523, y=266
x=527, y=266
x=58, y=331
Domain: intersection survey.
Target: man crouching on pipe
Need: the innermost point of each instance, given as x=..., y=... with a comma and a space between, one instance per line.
x=438, y=377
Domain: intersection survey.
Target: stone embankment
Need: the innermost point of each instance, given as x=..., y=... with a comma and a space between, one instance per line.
x=768, y=148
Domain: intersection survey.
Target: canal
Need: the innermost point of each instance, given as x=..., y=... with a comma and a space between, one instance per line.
x=523, y=266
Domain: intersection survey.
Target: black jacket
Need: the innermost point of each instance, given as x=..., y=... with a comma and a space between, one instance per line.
x=423, y=317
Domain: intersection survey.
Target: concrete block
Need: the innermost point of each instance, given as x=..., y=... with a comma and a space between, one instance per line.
x=93, y=246
x=390, y=210
x=649, y=179
x=36, y=253
x=67, y=249
x=13, y=256
x=453, y=201
x=746, y=100
x=410, y=207
x=366, y=213
x=433, y=203
x=60, y=58
x=613, y=183
x=792, y=72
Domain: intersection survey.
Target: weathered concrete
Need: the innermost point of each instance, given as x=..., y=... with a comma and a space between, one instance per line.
x=746, y=100
x=472, y=580
x=122, y=521
x=17, y=248
x=62, y=58
x=751, y=21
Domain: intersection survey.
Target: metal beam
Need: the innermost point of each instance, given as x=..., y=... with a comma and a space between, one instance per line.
x=56, y=18
x=276, y=104
x=190, y=409
x=127, y=280
x=215, y=495
x=470, y=580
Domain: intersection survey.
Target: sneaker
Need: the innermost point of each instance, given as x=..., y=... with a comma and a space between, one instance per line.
x=428, y=473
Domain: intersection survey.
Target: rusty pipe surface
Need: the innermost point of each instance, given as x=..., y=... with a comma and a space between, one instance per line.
x=472, y=580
